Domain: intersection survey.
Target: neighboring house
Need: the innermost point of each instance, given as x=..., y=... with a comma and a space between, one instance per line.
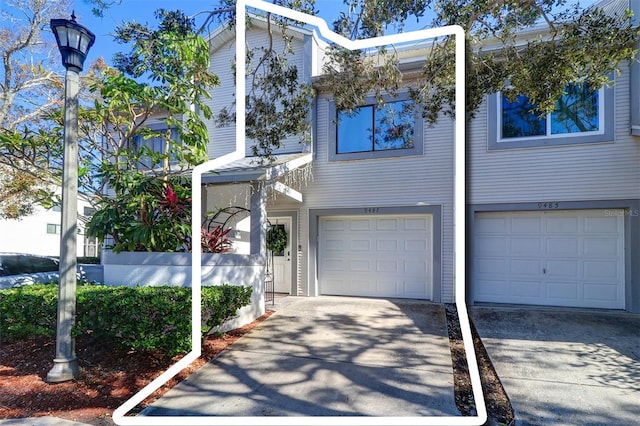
x=553, y=205
x=39, y=233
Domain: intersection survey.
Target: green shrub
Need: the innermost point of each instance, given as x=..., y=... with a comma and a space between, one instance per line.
x=87, y=260
x=141, y=318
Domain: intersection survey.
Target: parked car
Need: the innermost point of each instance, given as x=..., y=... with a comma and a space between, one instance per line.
x=18, y=269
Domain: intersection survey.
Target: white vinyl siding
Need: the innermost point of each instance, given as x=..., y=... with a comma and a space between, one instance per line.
x=222, y=139
x=562, y=258
x=596, y=171
x=377, y=256
x=425, y=179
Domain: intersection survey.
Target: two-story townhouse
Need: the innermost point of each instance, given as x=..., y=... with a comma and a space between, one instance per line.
x=553, y=203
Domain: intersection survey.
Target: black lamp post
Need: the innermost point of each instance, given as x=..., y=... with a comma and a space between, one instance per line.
x=74, y=41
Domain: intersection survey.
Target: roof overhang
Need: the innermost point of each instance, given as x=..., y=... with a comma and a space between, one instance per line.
x=249, y=169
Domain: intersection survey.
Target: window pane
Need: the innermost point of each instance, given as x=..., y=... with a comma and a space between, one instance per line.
x=576, y=112
x=518, y=121
x=355, y=130
x=394, y=126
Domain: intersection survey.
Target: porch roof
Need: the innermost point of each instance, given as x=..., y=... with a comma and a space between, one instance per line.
x=249, y=169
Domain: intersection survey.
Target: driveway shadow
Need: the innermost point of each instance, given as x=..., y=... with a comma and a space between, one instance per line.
x=565, y=366
x=328, y=356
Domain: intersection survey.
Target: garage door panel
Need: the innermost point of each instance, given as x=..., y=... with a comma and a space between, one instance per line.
x=492, y=245
x=335, y=245
x=380, y=256
x=601, y=269
x=416, y=246
x=386, y=225
x=525, y=224
x=359, y=225
x=575, y=259
x=360, y=245
x=564, y=247
x=600, y=225
x=598, y=247
x=386, y=245
x=387, y=266
x=490, y=266
x=491, y=288
x=525, y=246
x=417, y=224
x=494, y=225
x=360, y=265
x=563, y=268
x=600, y=291
x=521, y=289
x=562, y=225
x=525, y=267
x=562, y=290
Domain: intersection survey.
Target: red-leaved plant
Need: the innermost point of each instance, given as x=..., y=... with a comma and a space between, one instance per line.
x=216, y=240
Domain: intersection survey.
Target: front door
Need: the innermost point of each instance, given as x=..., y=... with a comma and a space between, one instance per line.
x=282, y=258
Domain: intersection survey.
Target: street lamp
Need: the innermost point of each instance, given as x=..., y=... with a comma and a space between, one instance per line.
x=74, y=41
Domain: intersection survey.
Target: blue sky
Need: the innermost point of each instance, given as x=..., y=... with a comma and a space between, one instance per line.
x=142, y=11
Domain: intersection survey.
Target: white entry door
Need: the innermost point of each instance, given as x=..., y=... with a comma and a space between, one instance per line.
x=282, y=259
x=563, y=258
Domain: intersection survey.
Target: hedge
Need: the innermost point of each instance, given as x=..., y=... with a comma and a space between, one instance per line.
x=140, y=318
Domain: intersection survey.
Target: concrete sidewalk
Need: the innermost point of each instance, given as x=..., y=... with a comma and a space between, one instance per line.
x=565, y=366
x=327, y=356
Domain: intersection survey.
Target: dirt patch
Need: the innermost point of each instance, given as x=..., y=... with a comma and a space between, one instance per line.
x=112, y=375
x=499, y=409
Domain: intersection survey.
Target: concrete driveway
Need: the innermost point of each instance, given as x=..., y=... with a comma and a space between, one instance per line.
x=327, y=356
x=565, y=366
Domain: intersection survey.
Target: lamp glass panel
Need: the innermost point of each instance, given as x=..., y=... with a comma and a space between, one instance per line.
x=62, y=35
x=84, y=42
x=74, y=38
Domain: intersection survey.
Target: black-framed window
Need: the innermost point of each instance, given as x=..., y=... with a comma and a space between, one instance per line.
x=376, y=131
x=580, y=116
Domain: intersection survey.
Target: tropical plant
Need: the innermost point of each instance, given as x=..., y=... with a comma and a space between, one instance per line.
x=150, y=214
x=216, y=240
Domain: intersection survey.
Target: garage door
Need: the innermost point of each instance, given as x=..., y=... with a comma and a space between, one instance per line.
x=377, y=256
x=561, y=258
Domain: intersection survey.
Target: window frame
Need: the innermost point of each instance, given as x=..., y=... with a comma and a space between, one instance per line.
x=604, y=134
x=139, y=142
x=418, y=132
x=56, y=228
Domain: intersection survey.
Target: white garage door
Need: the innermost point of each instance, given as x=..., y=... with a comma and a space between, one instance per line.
x=377, y=256
x=562, y=258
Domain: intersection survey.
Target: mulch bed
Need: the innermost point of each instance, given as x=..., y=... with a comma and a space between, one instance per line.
x=499, y=409
x=112, y=375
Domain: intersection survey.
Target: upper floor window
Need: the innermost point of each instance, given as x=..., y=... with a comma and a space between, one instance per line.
x=580, y=116
x=153, y=149
x=373, y=131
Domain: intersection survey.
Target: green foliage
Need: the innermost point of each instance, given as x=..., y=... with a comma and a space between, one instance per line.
x=28, y=311
x=140, y=318
x=577, y=46
x=277, y=239
x=148, y=214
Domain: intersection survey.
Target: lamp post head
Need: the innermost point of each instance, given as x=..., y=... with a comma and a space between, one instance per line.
x=74, y=41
